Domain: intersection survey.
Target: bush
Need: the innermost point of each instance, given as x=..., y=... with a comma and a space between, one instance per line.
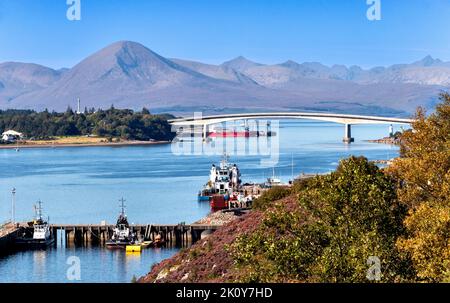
x=270, y=196
x=340, y=220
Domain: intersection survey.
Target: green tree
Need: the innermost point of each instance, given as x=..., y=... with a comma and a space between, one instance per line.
x=115, y=123
x=340, y=220
x=267, y=198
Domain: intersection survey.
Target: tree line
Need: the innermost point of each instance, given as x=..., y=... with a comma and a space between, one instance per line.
x=111, y=123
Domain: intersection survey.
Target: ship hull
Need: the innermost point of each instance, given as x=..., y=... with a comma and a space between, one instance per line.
x=22, y=243
x=232, y=135
x=117, y=244
x=241, y=134
x=219, y=202
x=204, y=198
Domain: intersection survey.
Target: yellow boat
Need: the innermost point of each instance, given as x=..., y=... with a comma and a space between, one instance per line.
x=134, y=248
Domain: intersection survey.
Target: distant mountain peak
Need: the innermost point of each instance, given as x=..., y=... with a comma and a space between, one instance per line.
x=290, y=63
x=240, y=63
x=129, y=47
x=428, y=61
x=240, y=59
x=125, y=44
x=128, y=58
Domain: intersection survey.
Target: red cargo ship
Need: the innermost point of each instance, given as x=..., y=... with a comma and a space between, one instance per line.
x=232, y=134
x=226, y=133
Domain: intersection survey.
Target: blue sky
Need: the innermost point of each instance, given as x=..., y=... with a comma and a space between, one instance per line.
x=328, y=31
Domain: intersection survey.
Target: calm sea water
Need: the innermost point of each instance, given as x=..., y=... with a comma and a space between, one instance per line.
x=83, y=185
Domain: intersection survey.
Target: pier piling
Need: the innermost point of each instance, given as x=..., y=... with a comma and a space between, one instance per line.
x=179, y=235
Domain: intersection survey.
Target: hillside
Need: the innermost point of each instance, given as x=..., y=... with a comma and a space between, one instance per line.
x=208, y=259
x=20, y=78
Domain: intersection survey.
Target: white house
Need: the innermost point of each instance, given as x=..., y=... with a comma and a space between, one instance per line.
x=11, y=136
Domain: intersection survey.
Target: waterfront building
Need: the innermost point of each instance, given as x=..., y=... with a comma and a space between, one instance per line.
x=11, y=136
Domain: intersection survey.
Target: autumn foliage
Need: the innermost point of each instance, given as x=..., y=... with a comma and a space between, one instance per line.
x=423, y=174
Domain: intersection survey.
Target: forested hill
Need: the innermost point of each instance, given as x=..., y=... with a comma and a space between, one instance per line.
x=112, y=123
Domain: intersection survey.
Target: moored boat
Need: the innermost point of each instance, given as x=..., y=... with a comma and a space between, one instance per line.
x=223, y=181
x=38, y=234
x=122, y=234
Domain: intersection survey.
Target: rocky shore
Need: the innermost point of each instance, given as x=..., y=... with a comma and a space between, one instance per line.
x=218, y=218
x=386, y=140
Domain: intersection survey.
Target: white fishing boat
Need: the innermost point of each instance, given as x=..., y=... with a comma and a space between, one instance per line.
x=122, y=233
x=223, y=180
x=38, y=234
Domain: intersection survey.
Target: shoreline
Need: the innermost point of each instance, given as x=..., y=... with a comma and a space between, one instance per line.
x=102, y=144
x=385, y=140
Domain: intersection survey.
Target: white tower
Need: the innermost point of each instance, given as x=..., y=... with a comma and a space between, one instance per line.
x=78, y=106
x=391, y=130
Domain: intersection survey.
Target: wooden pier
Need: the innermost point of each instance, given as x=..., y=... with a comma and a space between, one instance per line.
x=179, y=235
x=174, y=235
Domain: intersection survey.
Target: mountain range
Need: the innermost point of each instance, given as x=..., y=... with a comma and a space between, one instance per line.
x=129, y=75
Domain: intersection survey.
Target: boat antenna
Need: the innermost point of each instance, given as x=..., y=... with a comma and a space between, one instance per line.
x=38, y=210
x=225, y=157
x=122, y=206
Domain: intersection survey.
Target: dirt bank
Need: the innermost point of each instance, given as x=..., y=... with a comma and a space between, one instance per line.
x=208, y=260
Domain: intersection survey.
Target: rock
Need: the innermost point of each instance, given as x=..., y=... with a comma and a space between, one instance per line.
x=162, y=274
x=185, y=277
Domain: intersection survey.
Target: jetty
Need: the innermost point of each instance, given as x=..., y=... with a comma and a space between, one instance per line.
x=179, y=235
x=8, y=234
x=174, y=235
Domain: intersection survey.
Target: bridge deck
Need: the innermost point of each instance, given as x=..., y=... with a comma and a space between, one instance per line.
x=337, y=118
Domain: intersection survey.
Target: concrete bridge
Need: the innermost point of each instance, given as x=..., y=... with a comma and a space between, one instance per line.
x=346, y=120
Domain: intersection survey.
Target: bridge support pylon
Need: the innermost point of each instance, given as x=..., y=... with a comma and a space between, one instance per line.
x=205, y=132
x=348, y=134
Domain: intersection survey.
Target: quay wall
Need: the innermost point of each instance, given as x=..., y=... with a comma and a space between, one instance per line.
x=7, y=238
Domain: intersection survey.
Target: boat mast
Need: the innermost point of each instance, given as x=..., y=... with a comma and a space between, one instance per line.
x=38, y=210
x=225, y=157
x=122, y=207
x=224, y=162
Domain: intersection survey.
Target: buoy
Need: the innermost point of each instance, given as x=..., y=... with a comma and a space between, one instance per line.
x=133, y=248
